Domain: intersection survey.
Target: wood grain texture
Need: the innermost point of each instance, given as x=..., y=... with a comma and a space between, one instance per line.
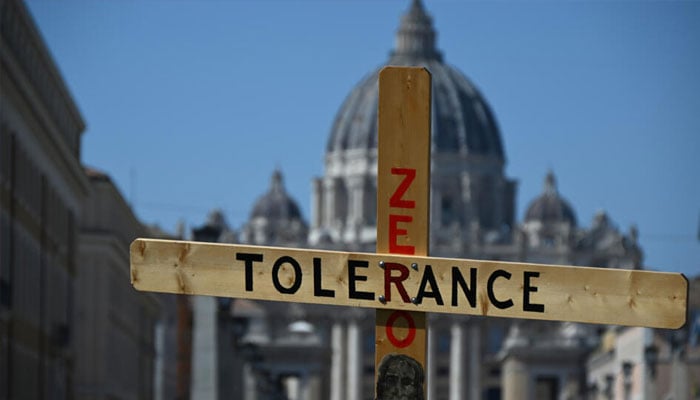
x=404, y=143
x=577, y=294
x=403, y=195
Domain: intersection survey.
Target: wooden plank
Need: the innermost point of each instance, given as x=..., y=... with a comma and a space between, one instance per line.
x=403, y=215
x=578, y=294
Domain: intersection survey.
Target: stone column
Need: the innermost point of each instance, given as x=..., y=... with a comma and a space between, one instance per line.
x=357, y=185
x=204, y=348
x=250, y=387
x=159, y=367
x=514, y=379
x=356, y=210
x=467, y=196
x=474, y=390
x=338, y=362
x=680, y=384
x=456, y=361
x=329, y=188
x=294, y=385
x=354, y=373
x=649, y=381
x=432, y=360
x=317, y=204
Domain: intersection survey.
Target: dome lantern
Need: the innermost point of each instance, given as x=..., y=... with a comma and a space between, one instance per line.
x=550, y=207
x=416, y=36
x=276, y=203
x=275, y=218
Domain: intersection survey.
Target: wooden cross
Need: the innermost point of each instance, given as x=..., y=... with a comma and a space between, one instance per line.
x=400, y=281
x=403, y=225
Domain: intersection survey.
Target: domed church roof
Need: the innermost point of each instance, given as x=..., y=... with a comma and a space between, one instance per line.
x=462, y=120
x=550, y=207
x=276, y=203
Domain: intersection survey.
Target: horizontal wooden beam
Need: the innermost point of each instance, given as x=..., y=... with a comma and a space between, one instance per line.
x=412, y=283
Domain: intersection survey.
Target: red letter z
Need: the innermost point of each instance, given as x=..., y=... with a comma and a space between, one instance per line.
x=396, y=199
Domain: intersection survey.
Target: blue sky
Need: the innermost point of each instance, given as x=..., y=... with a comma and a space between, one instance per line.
x=190, y=105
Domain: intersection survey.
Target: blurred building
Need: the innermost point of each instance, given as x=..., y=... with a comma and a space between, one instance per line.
x=472, y=216
x=42, y=190
x=71, y=325
x=643, y=363
x=114, y=325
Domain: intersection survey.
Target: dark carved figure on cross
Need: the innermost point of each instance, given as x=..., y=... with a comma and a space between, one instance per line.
x=400, y=377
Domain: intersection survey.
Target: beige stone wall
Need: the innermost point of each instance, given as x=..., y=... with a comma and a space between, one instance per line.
x=41, y=189
x=115, y=349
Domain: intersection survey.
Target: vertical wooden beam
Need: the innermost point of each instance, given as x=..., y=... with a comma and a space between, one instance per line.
x=403, y=213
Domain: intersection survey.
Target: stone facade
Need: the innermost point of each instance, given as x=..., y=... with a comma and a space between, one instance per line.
x=42, y=189
x=114, y=325
x=71, y=325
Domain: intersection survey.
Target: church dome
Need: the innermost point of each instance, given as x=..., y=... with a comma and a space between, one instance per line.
x=550, y=207
x=462, y=121
x=276, y=203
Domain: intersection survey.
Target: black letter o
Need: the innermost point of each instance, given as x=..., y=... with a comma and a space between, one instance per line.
x=297, y=275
